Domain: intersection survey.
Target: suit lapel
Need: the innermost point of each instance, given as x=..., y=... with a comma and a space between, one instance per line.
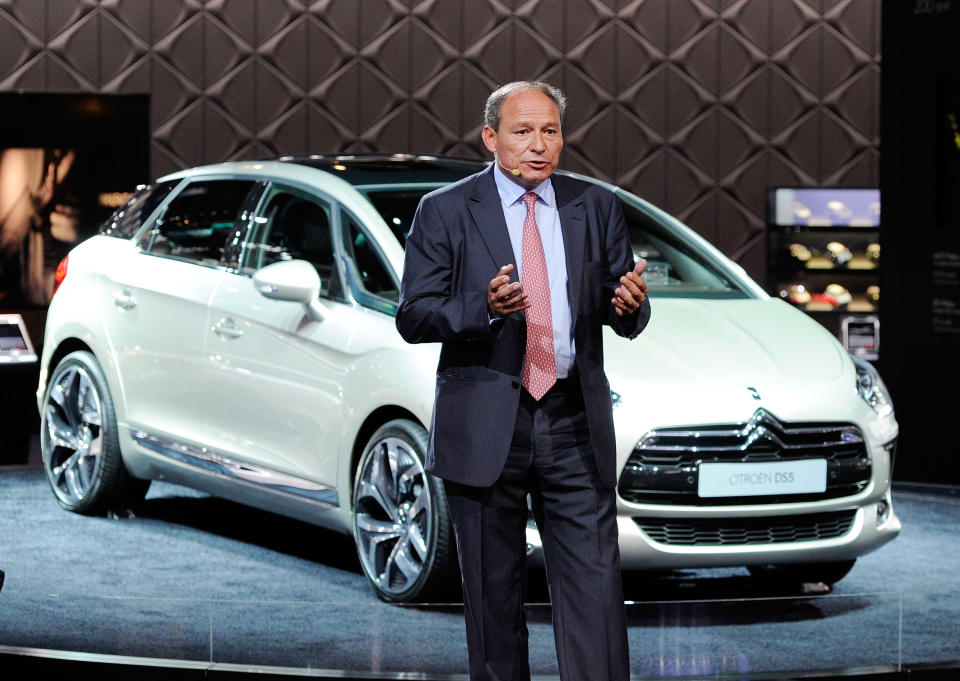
x=488, y=215
x=573, y=224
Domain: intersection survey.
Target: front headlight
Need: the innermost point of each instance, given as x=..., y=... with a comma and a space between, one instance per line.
x=871, y=388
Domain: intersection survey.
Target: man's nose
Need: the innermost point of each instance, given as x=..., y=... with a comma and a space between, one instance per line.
x=538, y=142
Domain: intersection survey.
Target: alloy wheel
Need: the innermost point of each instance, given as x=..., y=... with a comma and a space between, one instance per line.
x=72, y=438
x=393, y=515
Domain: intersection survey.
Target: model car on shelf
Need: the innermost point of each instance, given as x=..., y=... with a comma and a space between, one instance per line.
x=231, y=329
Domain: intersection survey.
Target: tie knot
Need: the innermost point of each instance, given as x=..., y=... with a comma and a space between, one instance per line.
x=530, y=198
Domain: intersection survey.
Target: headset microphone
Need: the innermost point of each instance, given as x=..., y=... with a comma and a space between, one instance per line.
x=513, y=171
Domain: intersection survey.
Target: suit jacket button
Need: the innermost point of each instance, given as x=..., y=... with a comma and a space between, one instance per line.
x=514, y=384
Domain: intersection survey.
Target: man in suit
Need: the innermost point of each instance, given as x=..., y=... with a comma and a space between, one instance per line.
x=515, y=270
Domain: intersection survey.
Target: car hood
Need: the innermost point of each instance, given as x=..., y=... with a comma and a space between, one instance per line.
x=742, y=342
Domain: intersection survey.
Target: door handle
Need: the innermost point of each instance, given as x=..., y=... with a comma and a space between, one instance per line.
x=124, y=299
x=227, y=328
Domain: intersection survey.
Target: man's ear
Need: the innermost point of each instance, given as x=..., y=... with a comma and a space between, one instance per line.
x=489, y=136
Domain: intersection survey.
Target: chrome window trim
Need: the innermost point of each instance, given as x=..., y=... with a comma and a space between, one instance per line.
x=186, y=261
x=398, y=186
x=212, y=461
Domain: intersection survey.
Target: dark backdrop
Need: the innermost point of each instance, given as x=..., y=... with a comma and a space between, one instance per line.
x=920, y=276
x=697, y=105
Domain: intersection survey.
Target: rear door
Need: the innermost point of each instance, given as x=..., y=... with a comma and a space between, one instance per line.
x=158, y=302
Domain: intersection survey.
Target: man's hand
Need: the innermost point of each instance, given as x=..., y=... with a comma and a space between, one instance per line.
x=504, y=298
x=632, y=290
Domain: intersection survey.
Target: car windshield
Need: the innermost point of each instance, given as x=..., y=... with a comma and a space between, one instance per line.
x=397, y=207
x=675, y=266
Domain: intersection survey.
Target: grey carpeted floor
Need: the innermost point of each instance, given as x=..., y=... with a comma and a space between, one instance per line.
x=198, y=578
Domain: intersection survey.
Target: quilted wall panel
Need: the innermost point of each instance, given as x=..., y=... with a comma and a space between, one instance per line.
x=697, y=105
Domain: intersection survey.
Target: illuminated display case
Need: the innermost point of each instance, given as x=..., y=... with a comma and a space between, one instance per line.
x=823, y=252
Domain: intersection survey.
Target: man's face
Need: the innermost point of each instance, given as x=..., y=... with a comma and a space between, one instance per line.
x=528, y=138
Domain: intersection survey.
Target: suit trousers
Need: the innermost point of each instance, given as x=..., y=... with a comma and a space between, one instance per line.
x=551, y=459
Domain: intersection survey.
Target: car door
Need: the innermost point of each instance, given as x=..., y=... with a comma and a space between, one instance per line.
x=157, y=307
x=276, y=378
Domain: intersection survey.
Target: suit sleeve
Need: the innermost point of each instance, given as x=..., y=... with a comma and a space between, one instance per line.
x=432, y=306
x=620, y=257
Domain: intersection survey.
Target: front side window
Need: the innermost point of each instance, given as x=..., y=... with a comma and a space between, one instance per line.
x=373, y=283
x=293, y=226
x=198, y=221
x=126, y=221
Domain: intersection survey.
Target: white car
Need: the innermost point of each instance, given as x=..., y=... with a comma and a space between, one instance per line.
x=232, y=329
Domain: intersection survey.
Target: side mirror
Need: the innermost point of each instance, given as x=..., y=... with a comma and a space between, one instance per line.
x=293, y=281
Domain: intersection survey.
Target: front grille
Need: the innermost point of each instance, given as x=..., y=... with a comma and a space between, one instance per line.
x=742, y=531
x=664, y=466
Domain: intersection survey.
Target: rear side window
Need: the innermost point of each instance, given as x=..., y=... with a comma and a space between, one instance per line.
x=198, y=221
x=127, y=220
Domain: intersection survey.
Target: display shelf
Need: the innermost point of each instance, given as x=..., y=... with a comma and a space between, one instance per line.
x=823, y=254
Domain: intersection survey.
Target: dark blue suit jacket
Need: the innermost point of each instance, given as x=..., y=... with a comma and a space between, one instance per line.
x=457, y=244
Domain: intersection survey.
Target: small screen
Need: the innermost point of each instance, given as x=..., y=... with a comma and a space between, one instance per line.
x=11, y=338
x=817, y=207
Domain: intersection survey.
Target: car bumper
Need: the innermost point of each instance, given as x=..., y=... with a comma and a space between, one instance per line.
x=866, y=528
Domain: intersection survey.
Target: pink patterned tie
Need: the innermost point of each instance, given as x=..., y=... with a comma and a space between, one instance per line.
x=539, y=367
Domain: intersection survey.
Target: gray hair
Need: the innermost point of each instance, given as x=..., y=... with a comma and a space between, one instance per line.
x=491, y=112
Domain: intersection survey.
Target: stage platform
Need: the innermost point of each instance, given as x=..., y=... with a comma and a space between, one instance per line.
x=197, y=587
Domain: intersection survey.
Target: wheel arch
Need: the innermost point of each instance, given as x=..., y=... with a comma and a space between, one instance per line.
x=374, y=420
x=66, y=346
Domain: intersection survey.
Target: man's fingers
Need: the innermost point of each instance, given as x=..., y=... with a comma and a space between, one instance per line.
x=627, y=298
x=635, y=287
x=517, y=303
x=637, y=284
x=497, y=282
x=503, y=277
x=630, y=285
x=641, y=266
x=504, y=297
x=620, y=307
x=507, y=291
x=640, y=282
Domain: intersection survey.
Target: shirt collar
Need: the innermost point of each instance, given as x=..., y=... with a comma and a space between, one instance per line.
x=510, y=192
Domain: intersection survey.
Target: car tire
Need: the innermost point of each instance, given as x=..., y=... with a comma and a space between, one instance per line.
x=401, y=523
x=79, y=443
x=802, y=573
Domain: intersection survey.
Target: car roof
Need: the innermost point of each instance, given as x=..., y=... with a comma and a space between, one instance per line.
x=377, y=169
